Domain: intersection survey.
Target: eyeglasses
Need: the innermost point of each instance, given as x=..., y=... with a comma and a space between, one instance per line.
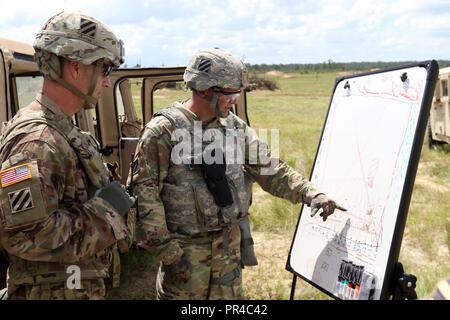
x=106, y=66
x=232, y=96
x=107, y=69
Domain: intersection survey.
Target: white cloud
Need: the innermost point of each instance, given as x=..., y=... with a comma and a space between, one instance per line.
x=263, y=31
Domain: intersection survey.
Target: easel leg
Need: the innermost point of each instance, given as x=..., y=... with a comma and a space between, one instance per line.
x=294, y=282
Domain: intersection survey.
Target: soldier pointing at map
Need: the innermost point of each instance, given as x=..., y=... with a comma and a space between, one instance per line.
x=194, y=199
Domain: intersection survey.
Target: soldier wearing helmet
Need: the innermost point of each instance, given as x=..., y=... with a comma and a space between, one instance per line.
x=61, y=216
x=194, y=192
x=78, y=38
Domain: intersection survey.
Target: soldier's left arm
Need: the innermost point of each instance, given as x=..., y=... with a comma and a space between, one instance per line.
x=39, y=219
x=150, y=168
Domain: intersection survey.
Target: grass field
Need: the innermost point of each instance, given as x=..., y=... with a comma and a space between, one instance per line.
x=298, y=110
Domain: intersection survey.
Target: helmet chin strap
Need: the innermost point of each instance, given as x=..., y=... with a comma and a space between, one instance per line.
x=214, y=104
x=89, y=101
x=92, y=102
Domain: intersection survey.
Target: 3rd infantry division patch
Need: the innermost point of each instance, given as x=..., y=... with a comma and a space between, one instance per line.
x=20, y=200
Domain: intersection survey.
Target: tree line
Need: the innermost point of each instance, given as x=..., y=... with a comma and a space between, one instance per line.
x=330, y=65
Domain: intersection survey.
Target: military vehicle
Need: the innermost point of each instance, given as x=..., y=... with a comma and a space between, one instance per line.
x=122, y=110
x=439, y=123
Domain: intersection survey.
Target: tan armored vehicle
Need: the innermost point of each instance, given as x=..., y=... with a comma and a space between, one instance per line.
x=135, y=94
x=439, y=124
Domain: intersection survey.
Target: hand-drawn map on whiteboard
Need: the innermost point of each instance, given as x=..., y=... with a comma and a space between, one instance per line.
x=362, y=163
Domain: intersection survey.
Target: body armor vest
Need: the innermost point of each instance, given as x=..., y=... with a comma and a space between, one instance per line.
x=189, y=205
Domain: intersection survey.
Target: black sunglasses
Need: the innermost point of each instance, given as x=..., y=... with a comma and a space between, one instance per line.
x=230, y=93
x=217, y=89
x=107, y=69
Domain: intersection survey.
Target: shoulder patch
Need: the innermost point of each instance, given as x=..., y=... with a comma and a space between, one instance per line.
x=15, y=175
x=20, y=200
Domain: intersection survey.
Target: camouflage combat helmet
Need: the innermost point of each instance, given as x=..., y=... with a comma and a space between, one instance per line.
x=217, y=69
x=77, y=37
x=210, y=68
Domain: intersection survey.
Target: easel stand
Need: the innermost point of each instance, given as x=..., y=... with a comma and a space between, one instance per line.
x=404, y=284
x=294, y=282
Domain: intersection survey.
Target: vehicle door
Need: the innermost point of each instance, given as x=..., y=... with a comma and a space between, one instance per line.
x=19, y=77
x=19, y=81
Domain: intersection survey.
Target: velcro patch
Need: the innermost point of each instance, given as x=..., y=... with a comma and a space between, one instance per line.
x=16, y=174
x=20, y=200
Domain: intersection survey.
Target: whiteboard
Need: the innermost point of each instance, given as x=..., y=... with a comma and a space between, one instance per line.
x=366, y=161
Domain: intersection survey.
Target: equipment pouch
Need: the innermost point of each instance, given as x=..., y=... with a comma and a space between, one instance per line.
x=216, y=180
x=248, y=256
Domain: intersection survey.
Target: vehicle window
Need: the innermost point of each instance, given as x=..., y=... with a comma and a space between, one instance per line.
x=444, y=84
x=166, y=93
x=128, y=93
x=27, y=87
x=129, y=106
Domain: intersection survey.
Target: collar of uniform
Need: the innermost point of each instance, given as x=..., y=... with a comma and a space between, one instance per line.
x=190, y=114
x=56, y=111
x=223, y=122
x=214, y=123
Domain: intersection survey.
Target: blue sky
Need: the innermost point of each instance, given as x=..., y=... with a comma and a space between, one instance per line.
x=167, y=32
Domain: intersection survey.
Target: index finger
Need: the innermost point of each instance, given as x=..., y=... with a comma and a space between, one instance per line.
x=314, y=211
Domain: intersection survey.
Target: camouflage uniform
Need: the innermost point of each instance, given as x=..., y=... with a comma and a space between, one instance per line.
x=55, y=211
x=64, y=225
x=179, y=216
